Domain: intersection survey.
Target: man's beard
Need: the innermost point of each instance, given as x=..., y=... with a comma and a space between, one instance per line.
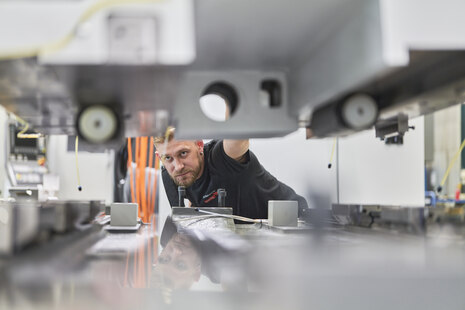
x=191, y=177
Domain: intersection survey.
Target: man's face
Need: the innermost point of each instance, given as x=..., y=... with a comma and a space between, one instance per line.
x=179, y=264
x=183, y=160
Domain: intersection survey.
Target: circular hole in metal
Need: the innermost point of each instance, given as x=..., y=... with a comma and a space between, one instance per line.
x=219, y=101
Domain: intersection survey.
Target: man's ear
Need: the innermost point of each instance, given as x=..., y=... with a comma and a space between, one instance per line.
x=199, y=143
x=157, y=155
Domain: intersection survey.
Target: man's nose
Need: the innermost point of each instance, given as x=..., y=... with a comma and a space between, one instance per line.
x=178, y=165
x=177, y=251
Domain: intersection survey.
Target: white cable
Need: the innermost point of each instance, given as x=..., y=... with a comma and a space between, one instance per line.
x=204, y=217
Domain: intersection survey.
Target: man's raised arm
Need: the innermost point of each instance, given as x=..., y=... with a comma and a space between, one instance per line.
x=236, y=149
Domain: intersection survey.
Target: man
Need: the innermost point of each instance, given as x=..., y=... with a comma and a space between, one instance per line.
x=179, y=264
x=185, y=257
x=228, y=164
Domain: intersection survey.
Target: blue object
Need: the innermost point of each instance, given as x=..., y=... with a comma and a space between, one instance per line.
x=433, y=198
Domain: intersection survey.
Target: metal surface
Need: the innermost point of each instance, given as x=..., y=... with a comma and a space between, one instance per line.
x=252, y=267
x=191, y=211
x=399, y=218
x=358, y=215
x=24, y=193
x=192, y=123
x=124, y=214
x=412, y=218
x=60, y=216
x=283, y=213
x=28, y=223
x=19, y=225
x=393, y=128
x=318, y=52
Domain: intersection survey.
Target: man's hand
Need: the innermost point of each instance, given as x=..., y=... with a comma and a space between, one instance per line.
x=236, y=149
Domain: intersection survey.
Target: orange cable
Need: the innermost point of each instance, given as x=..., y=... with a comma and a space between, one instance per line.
x=157, y=163
x=137, y=271
x=150, y=192
x=131, y=181
x=142, y=150
x=126, y=271
x=141, y=174
x=141, y=180
x=134, y=273
x=141, y=197
x=149, y=259
x=138, y=174
x=143, y=164
x=140, y=267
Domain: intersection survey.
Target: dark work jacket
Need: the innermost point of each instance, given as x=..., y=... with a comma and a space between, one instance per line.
x=248, y=185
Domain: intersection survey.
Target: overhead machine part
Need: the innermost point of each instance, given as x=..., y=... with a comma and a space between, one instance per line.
x=331, y=66
x=355, y=113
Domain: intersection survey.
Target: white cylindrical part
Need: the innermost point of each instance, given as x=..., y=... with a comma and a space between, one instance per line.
x=97, y=124
x=360, y=111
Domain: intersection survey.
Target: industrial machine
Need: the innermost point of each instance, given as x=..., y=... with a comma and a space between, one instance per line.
x=26, y=165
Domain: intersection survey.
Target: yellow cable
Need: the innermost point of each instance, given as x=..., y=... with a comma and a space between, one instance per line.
x=23, y=131
x=77, y=164
x=332, y=154
x=454, y=159
x=22, y=134
x=54, y=46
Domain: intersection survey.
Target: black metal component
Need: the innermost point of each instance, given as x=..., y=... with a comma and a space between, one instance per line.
x=394, y=140
x=392, y=130
x=181, y=195
x=327, y=120
x=273, y=89
x=356, y=215
x=221, y=197
x=353, y=112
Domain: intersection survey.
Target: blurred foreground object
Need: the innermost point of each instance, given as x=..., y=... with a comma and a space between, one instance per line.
x=332, y=66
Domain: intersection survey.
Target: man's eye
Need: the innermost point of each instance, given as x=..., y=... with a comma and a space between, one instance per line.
x=167, y=158
x=163, y=260
x=184, y=154
x=180, y=265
